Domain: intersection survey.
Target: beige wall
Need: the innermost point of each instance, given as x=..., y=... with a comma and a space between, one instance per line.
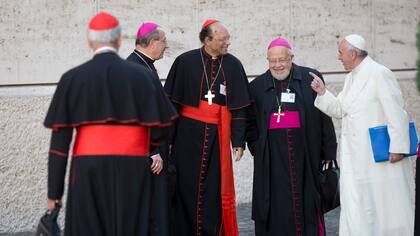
x=40, y=39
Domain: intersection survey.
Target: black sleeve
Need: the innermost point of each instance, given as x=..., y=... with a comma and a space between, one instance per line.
x=154, y=150
x=238, y=127
x=172, y=130
x=158, y=136
x=329, y=140
x=57, y=161
x=171, y=85
x=251, y=129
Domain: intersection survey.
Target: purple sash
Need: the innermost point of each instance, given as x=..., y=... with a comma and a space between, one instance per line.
x=288, y=119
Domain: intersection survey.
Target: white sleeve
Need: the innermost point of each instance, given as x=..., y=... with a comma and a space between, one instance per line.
x=390, y=97
x=329, y=104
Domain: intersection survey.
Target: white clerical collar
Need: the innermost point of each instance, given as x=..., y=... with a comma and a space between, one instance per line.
x=146, y=54
x=359, y=67
x=105, y=49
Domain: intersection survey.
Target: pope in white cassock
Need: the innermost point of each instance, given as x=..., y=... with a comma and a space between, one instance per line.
x=377, y=198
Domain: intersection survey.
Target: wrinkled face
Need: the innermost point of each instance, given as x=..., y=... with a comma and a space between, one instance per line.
x=346, y=56
x=219, y=43
x=160, y=46
x=280, y=62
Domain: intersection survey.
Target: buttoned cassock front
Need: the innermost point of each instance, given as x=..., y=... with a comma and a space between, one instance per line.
x=376, y=198
x=318, y=139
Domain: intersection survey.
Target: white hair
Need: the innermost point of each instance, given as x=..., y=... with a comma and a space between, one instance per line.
x=105, y=36
x=289, y=50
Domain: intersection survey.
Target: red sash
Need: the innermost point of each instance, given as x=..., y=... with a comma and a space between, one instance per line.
x=220, y=115
x=111, y=140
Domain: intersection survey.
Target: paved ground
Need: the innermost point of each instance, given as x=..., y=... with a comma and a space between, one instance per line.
x=246, y=225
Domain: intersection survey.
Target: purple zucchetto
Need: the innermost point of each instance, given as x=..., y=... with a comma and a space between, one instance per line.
x=279, y=42
x=146, y=28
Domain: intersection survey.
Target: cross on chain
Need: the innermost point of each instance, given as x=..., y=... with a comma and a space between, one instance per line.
x=278, y=114
x=209, y=97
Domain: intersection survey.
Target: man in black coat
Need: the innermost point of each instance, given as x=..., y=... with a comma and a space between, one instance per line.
x=210, y=88
x=119, y=111
x=289, y=138
x=150, y=46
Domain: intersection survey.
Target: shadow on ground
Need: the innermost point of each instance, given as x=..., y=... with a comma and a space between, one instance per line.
x=246, y=225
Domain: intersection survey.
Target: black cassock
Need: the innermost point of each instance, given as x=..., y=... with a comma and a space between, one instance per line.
x=163, y=183
x=196, y=143
x=286, y=199
x=108, y=194
x=140, y=58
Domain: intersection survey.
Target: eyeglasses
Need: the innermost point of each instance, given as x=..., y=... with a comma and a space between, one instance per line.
x=223, y=40
x=279, y=60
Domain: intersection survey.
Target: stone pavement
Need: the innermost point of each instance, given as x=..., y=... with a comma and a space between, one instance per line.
x=246, y=225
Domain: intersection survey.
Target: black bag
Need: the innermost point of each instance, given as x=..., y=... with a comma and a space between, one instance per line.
x=329, y=176
x=48, y=225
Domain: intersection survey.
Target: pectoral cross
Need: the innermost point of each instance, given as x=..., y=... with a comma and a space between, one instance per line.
x=209, y=97
x=278, y=114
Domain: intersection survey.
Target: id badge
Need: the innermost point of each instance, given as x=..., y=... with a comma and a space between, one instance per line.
x=222, y=89
x=288, y=97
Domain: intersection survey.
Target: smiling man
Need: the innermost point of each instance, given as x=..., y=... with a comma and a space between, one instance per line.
x=289, y=138
x=210, y=88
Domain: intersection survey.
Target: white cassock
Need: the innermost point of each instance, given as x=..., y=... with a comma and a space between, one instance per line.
x=377, y=199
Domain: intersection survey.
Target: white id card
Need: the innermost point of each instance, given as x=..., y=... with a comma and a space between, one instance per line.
x=222, y=89
x=288, y=97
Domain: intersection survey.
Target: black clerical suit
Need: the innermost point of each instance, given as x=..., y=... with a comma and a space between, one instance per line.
x=286, y=199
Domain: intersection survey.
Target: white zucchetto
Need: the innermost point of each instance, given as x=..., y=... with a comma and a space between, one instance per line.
x=356, y=41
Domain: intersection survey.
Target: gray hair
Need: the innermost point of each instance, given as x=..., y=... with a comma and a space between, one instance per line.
x=359, y=52
x=104, y=36
x=289, y=50
x=145, y=41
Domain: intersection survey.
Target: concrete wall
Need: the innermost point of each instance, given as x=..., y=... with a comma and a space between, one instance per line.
x=40, y=39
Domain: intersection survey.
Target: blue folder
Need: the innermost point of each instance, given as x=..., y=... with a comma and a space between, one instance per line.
x=379, y=139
